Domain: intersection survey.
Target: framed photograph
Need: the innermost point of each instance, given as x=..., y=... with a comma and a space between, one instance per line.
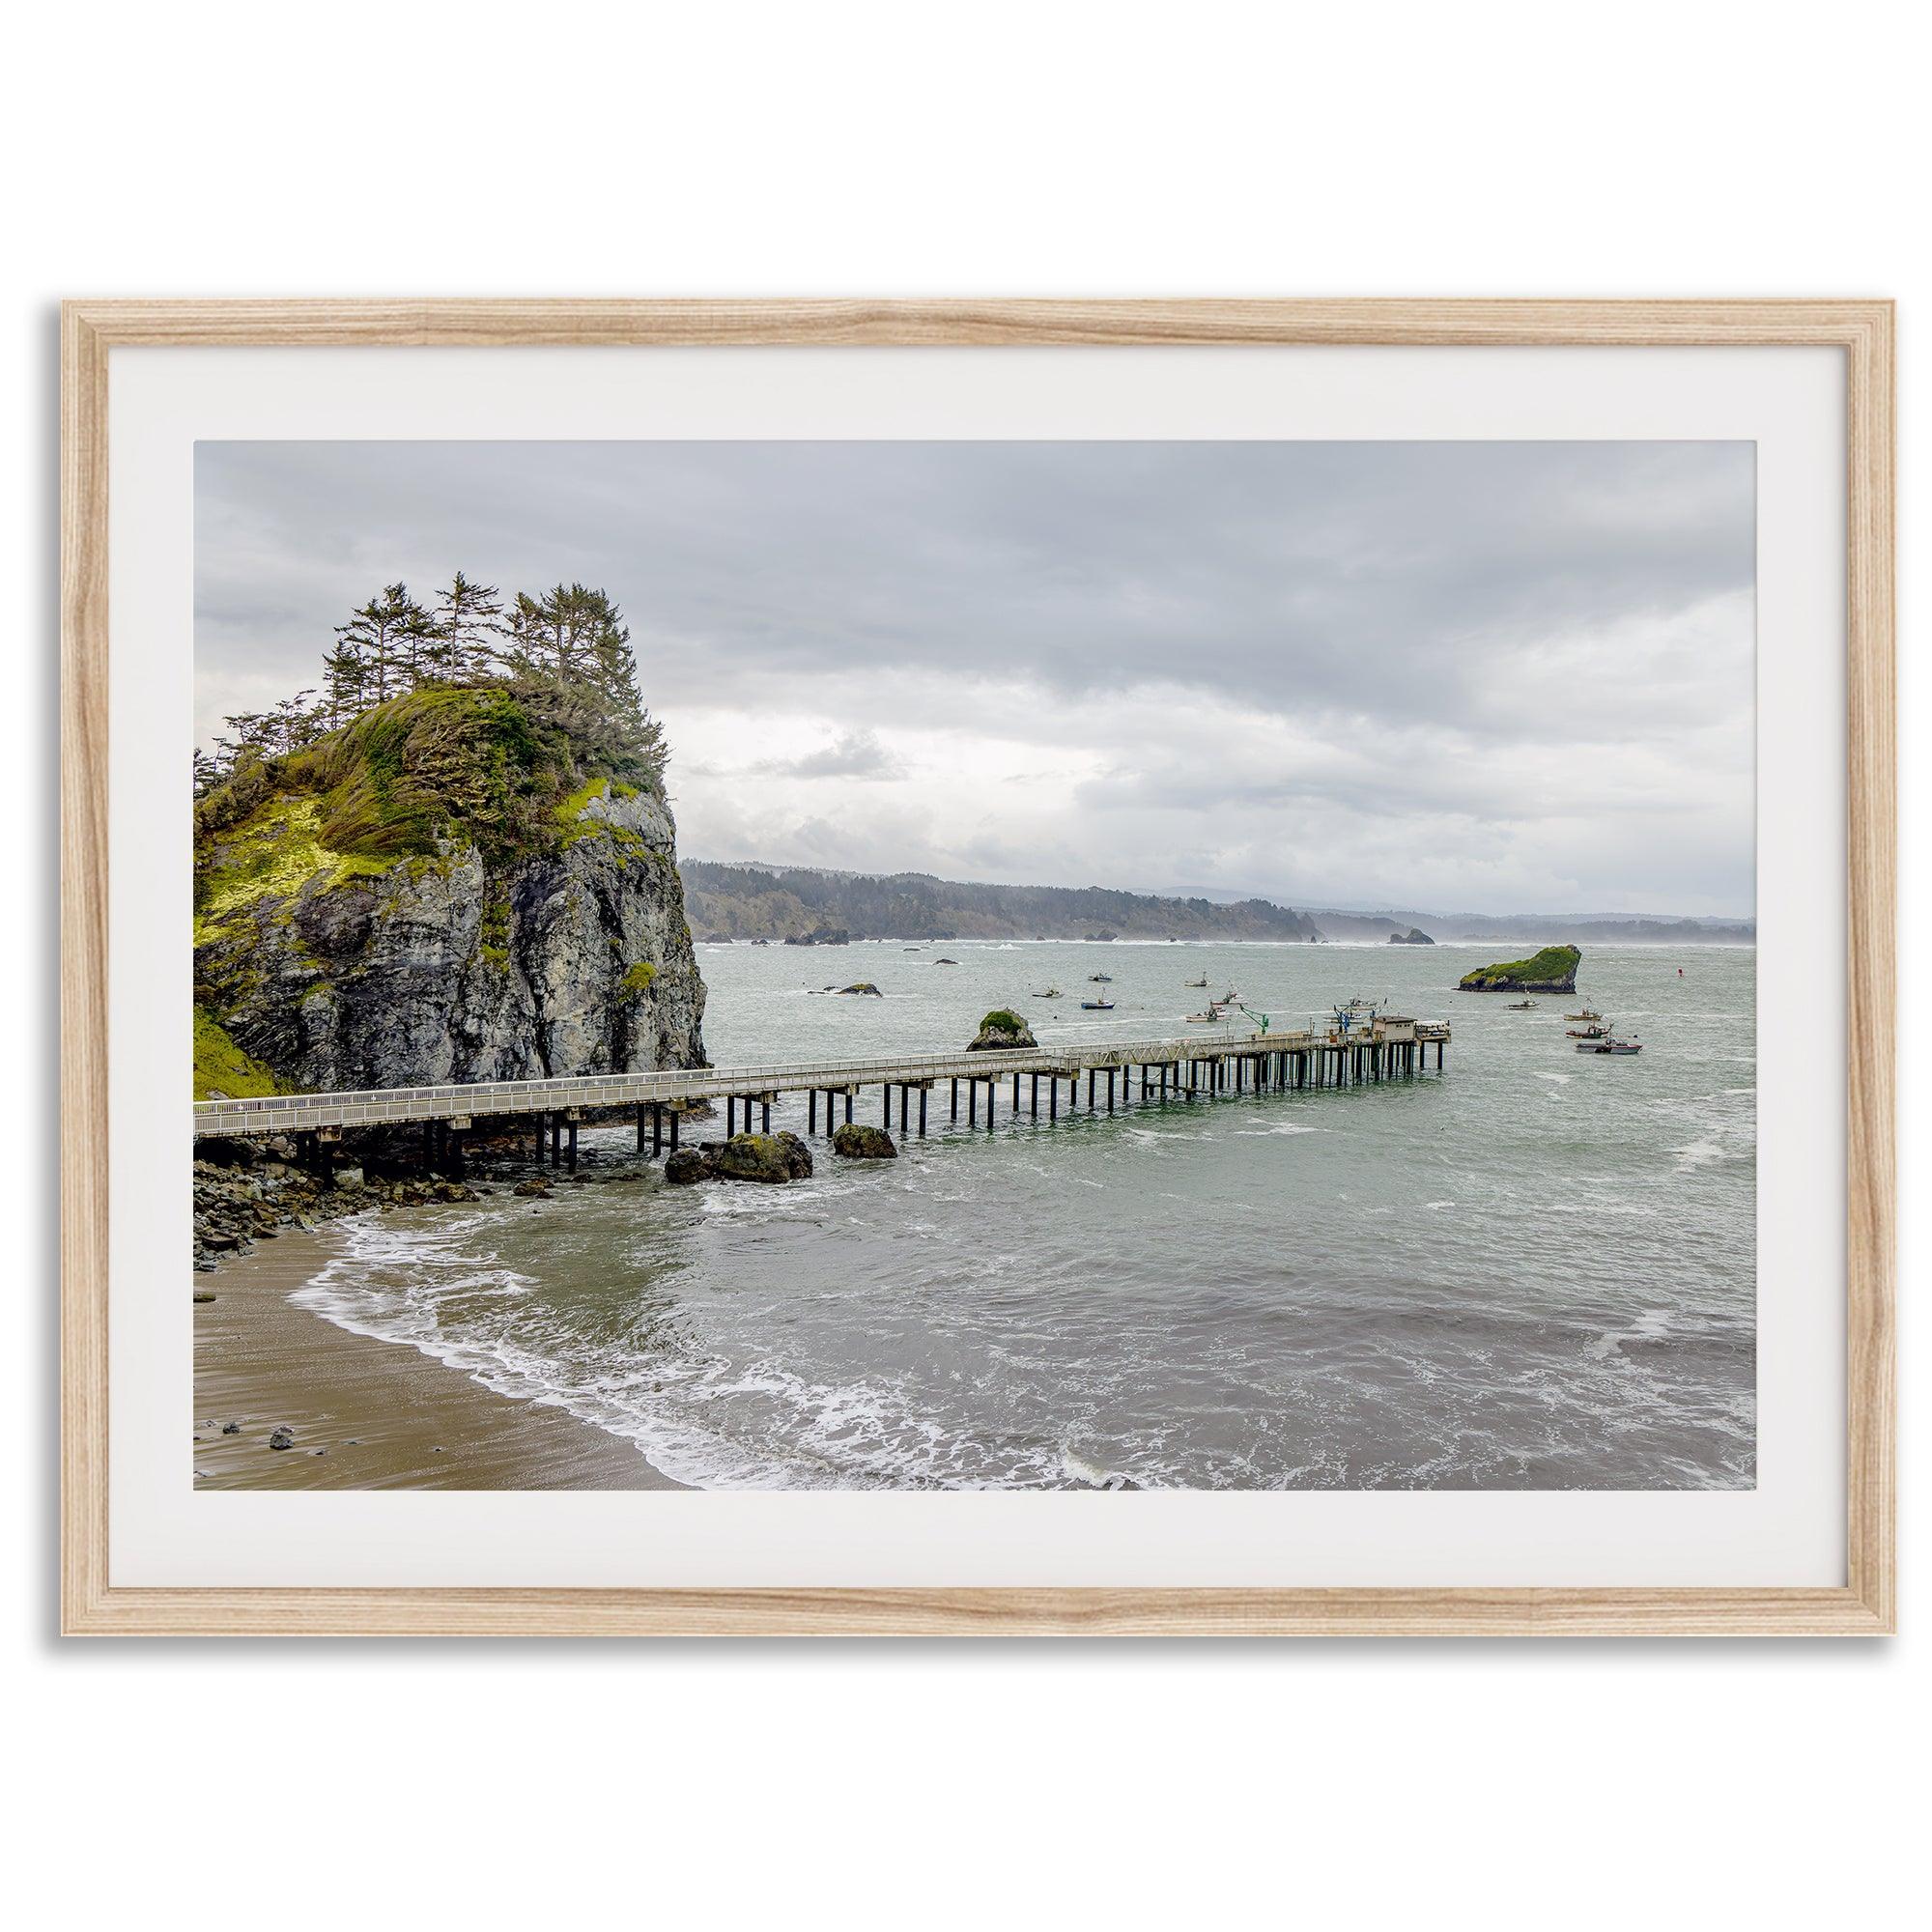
x=985, y=968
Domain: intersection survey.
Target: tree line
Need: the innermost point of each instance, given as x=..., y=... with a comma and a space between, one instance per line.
x=570, y=640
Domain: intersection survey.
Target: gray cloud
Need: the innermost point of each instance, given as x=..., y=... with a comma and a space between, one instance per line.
x=853, y=754
x=1355, y=672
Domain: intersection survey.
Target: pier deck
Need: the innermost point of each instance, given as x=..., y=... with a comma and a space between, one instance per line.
x=1198, y=1063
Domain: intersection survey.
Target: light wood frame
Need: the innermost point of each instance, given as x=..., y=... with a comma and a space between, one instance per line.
x=1862, y=329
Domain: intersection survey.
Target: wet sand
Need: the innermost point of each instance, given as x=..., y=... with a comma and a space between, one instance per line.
x=385, y=1416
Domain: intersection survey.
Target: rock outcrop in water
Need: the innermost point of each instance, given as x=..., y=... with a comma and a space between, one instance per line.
x=770, y=1159
x=1001, y=1031
x=1553, y=969
x=449, y=888
x=858, y=1142
x=1415, y=936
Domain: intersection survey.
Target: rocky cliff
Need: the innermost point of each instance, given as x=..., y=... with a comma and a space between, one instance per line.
x=449, y=889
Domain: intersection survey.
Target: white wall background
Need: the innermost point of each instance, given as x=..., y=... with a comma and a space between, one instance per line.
x=832, y=148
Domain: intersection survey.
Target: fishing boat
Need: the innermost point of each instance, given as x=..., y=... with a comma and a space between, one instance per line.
x=1051, y=993
x=1589, y=1033
x=1203, y=1019
x=1102, y=1004
x=1227, y=998
x=1201, y=983
x=1100, y=978
x=1589, y=1012
x=1610, y=1043
x=1520, y=1006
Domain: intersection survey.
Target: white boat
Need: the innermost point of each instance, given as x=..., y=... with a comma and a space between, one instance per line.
x=1102, y=1004
x=1609, y=1044
x=1201, y=983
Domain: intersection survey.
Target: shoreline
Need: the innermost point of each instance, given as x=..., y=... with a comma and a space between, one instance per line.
x=383, y=1414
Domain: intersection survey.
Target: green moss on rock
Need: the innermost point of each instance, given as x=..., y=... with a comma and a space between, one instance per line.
x=221, y=1069
x=640, y=977
x=1553, y=969
x=1001, y=1031
x=276, y=851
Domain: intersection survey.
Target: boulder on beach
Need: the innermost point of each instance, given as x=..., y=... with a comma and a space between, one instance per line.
x=1001, y=1031
x=862, y=1143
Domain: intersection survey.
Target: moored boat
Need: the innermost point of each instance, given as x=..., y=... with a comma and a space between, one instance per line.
x=1609, y=1044
x=1103, y=1004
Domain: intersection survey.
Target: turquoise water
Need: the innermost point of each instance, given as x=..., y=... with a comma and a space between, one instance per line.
x=1535, y=1271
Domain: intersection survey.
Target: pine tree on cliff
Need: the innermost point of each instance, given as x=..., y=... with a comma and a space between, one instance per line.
x=345, y=683
x=467, y=621
x=574, y=634
x=387, y=634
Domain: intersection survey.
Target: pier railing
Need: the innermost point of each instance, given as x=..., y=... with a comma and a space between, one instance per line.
x=294, y=1112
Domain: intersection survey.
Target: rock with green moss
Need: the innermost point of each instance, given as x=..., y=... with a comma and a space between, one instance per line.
x=1000, y=1032
x=440, y=893
x=858, y=1142
x=223, y=1071
x=761, y=1157
x=1553, y=969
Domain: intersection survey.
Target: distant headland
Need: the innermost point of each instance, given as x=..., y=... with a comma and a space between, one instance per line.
x=816, y=905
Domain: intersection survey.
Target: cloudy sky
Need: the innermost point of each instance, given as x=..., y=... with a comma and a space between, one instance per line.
x=1501, y=677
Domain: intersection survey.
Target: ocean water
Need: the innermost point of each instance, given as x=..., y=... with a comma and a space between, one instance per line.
x=1535, y=1271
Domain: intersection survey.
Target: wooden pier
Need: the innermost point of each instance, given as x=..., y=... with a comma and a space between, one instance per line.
x=1195, y=1068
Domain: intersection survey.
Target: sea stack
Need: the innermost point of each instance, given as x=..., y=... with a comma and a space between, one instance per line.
x=1553, y=969
x=460, y=885
x=1000, y=1032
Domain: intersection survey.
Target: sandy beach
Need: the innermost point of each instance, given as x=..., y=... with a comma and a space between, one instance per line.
x=380, y=1415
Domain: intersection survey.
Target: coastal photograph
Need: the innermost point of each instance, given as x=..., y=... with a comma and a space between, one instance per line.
x=1104, y=966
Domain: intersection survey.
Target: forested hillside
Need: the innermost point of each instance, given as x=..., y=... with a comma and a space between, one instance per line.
x=799, y=903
